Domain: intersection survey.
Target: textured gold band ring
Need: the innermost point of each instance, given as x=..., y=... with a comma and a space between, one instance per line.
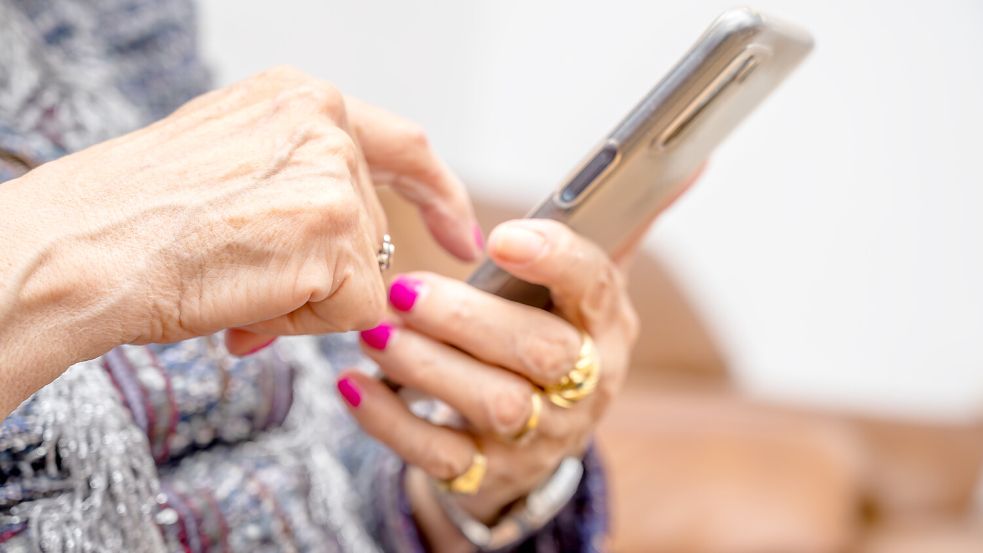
x=581, y=381
x=469, y=481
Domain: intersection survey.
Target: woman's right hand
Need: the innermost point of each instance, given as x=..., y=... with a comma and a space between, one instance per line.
x=252, y=206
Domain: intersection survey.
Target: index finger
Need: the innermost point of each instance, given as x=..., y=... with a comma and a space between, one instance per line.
x=399, y=154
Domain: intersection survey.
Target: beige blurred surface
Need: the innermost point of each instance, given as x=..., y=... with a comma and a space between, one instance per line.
x=692, y=471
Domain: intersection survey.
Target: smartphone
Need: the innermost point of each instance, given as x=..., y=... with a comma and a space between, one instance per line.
x=643, y=163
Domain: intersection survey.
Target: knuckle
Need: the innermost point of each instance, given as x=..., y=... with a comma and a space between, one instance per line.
x=549, y=355
x=459, y=313
x=277, y=79
x=441, y=463
x=321, y=97
x=311, y=93
x=314, y=285
x=424, y=359
x=356, y=303
x=327, y=210
x=336, y=150
x=508, y=410
x=347, y=151
x=558, y=233
x=331, y=100
x=304, y=96
x=601, y=293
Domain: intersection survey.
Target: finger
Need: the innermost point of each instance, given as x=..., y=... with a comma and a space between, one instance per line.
x=321, y=317
x=534, y=343
x=360, y=175
x=584, y=284
x=372, y=203
x=441, y=452
x=244, y=342
x=351, y=295
x=399, y=154
x=493, y=401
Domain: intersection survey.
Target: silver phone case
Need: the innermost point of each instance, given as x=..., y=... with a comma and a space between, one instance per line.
x=642, y=163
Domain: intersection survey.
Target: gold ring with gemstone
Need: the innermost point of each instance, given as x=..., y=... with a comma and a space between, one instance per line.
x=581, y=381
x=469, y=481
x=533, y=421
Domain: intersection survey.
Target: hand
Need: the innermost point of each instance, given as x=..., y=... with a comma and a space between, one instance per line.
x=485, y=356
x=251, y=206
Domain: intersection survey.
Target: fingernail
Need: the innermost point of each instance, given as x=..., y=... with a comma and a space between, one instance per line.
x=261, y=346
x=515, y=244
x=349, y=390
x=378, y=337
x=403, y=292
x=479, y=237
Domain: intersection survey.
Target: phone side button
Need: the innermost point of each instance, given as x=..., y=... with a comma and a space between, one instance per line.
x=581, y=182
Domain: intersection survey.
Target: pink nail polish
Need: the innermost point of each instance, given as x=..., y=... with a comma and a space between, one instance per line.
x=349, y=390
x=378, y=337
x=403, y=293
x=479, y=237
x=261, y=346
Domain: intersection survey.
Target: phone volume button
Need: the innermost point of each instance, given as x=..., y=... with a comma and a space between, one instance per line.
x=582, y=181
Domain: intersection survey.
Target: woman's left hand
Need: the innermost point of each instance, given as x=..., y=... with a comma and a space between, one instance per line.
x=486, y=357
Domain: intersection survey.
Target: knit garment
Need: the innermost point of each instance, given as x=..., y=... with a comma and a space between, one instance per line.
x=184, y=447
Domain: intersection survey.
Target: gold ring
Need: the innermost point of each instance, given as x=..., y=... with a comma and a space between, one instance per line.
x=533, y=421
x=581, y=381
x=469, y=481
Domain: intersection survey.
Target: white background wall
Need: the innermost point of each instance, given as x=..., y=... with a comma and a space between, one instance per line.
x=836, y=241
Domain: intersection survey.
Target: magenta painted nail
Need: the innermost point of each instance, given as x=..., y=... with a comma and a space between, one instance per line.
x=261, y=346
x=349, y=390
x=378, y=337
x=403, y=293
x=479, y=237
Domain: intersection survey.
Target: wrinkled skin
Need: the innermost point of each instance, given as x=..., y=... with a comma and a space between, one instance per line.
x=252, y=206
